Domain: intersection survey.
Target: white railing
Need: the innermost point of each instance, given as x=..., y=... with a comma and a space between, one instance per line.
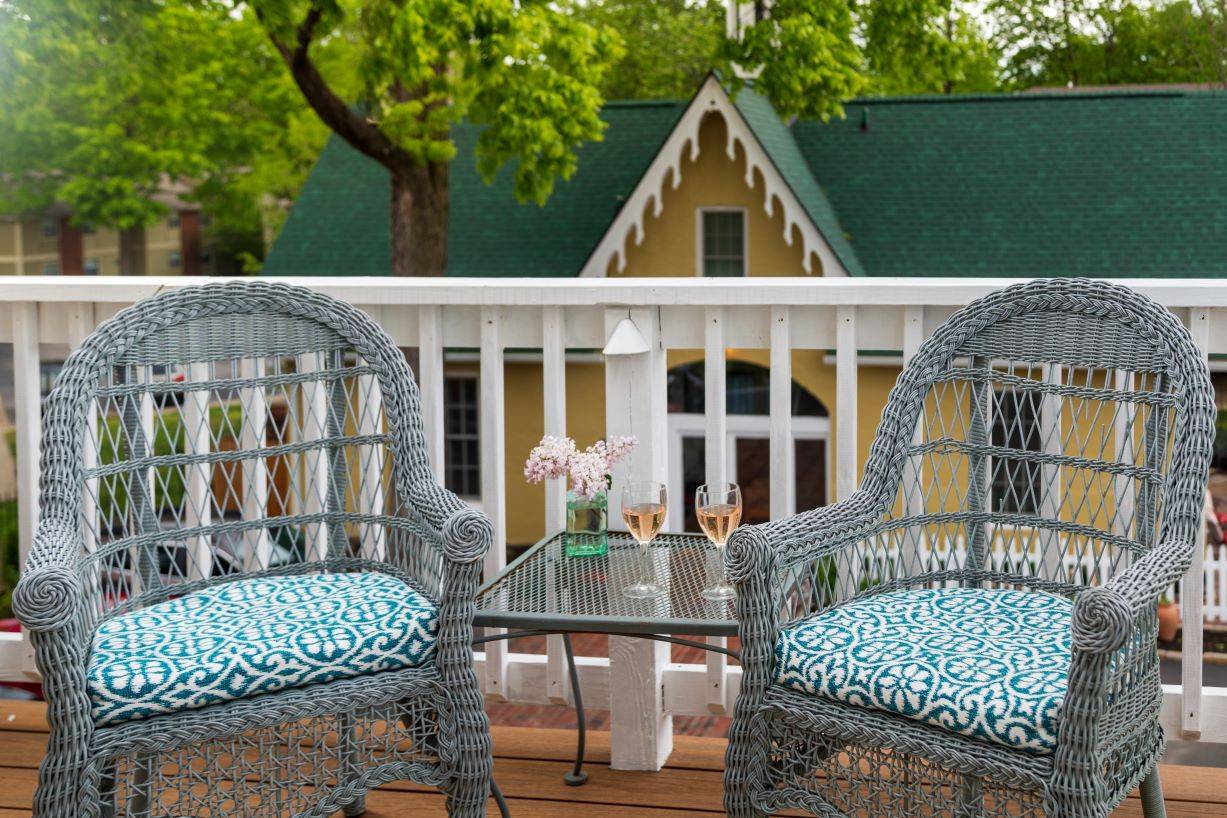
x=1214, y=586
x=643, y=688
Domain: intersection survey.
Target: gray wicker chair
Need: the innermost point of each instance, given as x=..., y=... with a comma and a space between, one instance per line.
x=247, y=594
x=1036, y=483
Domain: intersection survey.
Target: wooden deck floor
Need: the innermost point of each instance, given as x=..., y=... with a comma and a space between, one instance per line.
x=530, y=762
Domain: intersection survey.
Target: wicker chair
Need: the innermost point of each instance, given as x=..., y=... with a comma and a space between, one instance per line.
x=247, y=594
x=972, y=632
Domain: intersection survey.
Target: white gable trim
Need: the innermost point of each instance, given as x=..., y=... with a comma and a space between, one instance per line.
x=711, y=98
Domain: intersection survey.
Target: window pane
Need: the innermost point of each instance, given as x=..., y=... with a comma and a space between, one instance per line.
x=754, y=476
x=462, y=445
x=810, y=458
x=724, y=243
x=694, y=460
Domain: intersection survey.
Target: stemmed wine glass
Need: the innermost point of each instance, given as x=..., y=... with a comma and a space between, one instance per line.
x=718, y=508
x=643, y=508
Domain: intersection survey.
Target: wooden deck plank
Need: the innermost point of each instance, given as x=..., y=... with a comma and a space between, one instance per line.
x=529, y=765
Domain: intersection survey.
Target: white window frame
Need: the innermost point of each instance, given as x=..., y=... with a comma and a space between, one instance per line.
x=751, y=427
x=698, y=237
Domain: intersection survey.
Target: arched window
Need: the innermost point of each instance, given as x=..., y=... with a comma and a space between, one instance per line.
x=748, y=443
x=747, y=391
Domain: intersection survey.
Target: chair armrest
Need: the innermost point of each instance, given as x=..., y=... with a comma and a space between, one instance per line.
x=1105, y=617
x=806, y=535
x=465, y=532
x=755, y=557
x=50, y=593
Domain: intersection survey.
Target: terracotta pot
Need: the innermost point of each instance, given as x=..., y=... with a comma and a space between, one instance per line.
x=1169, y=621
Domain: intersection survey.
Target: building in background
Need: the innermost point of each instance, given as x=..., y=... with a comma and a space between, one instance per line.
x=47, y=243
x=1119, y=184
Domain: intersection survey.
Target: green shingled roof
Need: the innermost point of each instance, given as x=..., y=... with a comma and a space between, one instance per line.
x=1120, y=185
x=339, y=224
x=1105, y=184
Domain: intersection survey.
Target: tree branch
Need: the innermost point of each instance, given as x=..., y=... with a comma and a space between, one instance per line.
x=351, y=126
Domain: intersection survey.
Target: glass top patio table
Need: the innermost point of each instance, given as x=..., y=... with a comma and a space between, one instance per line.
x=546, y=590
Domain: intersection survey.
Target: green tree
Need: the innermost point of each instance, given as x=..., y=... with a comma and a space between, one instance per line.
x=104, y=104
x=804, y=55
x=922, y=46
x=670, y=45
x=527, y=72
x=1031, y=33
x=1120, y=42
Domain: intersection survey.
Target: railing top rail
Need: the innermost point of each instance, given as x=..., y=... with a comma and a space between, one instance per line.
x=1187, y=292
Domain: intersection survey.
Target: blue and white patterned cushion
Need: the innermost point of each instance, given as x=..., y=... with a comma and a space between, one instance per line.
x=989, y=664
x=255, y=636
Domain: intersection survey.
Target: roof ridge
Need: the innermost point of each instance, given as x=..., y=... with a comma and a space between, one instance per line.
x=1020, y=96
x=642, y=103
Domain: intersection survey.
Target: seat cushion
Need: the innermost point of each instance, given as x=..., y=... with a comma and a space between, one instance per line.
x=253, y=636
x=989, y=664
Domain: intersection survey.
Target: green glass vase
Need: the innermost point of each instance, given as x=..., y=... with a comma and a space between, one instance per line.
x=587, y=533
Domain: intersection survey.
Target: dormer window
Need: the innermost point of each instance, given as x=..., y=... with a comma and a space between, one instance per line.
x=722, y=242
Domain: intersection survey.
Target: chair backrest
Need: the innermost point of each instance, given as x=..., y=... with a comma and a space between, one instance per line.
x=1052, y=432
x=231, y=430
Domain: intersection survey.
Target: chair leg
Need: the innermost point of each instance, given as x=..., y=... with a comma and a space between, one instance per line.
x=971, y=798
x=1152, y=796
x=473, y=765
x=140, y=801
x=742, y=766
x=347, y=744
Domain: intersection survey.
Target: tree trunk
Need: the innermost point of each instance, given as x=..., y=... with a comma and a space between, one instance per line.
x=419, y=220
x=132, y=260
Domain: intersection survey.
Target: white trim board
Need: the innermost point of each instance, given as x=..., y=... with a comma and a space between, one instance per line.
x=711, y=98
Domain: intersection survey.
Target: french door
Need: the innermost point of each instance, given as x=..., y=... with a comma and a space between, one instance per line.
x=749, y=465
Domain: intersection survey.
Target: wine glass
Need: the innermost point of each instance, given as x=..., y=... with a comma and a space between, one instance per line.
x=718, y=508
x=643, y=508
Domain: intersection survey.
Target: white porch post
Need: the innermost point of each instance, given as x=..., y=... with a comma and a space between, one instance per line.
x=1192, y=597
x=28, y=417
x=642, y=731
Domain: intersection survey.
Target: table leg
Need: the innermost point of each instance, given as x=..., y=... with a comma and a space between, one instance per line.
x=497, y=795
x=577, y=777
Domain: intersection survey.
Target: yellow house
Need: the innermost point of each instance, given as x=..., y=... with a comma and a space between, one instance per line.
x=48, y=243
x=719, y=185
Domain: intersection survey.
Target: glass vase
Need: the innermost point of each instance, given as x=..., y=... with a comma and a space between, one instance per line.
x=587, y=526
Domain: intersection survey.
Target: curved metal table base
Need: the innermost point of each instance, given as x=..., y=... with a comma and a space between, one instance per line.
x=497, y=795
x=577, y=777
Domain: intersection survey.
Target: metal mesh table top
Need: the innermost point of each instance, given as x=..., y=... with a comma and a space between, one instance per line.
x=547, y=590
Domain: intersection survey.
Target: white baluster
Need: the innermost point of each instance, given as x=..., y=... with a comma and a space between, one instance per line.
x=430, y=383
x=258, y=547
x=197, y=439
x=1191, y=613
x=554, y=395
x=715, y=402
x=28, y=419
x=493, y=488
x=783, y=453
x=371, y=422
x=316, y=472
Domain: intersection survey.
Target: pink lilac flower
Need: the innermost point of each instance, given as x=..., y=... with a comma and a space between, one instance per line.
x=588, y=473
x=589, y=470
x=549, y=459
x=619, y=447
